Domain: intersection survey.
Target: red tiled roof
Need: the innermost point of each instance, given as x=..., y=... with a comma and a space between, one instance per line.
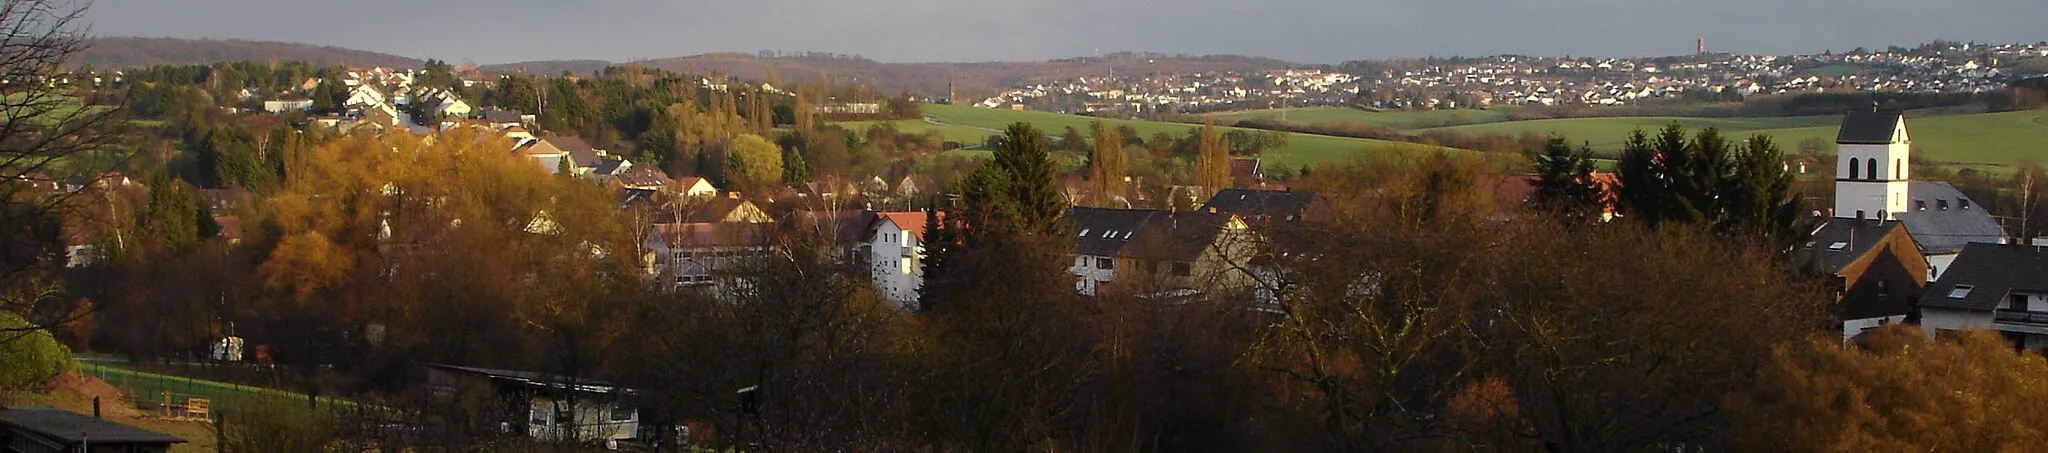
x=909, y=221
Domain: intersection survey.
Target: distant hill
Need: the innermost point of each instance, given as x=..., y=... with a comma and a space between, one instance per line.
x=140, y=52
x=548, y=67
x=973, y=80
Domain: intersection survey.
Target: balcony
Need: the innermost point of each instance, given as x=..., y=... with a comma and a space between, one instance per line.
x=2036, y=318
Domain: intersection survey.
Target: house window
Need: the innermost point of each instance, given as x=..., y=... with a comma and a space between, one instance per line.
x=1105, y=263
x=1081, y=262
x=622, y=413
x=1183, y=269
x=1965, y=202
x=2019, y=302
x=1853, y=168
x=1884, y=288
x=1897, y=169
x=1872, y=167
x=1859, y=215
x=1960, y=291
x=1941, y=204
x=1919, y=205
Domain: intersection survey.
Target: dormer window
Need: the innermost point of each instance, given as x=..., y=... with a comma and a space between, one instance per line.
x=1960, y=291
x=1919, y=205
x=1964, y=202
x=1941, y=204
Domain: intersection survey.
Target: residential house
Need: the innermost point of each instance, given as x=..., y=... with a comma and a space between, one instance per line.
x=1873, y=182
x=365, y=95
x=2000, y=287
x=551, y=407
x=696, y=254
x=1255, y=205
x=640, y=177
x=560, y=152
x=692, y=186
x=1246, y=171
x=1157, y=253
x=727, y=209
x=502, y=119
x=896, y=255
x=295, y=105
x=1875, y=271
x=52, y=430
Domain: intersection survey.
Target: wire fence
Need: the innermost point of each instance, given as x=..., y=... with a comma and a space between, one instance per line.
x=181, y=392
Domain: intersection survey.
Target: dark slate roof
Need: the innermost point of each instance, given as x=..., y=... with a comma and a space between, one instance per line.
x=1145, y=233
x=1944, y=231
x=609, y=167
x=1104, y=231
x=1868, y=127
x=500, y=116
x=643, y=176
x=1251, y=203
x=1856, y=236
x=72, y=428
x=1993, y=271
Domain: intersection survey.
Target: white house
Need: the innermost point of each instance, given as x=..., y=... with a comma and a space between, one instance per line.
x=364, y=95
x=298, y=105
x=896, y=255
x=1150, y=252
x=2000, y=287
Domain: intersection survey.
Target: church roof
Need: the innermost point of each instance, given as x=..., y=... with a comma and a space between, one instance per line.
x=1868, y=127
x=1942, y=219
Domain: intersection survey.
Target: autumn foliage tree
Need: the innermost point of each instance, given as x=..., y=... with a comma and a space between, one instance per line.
x=1895, y=389
x=1106, y=165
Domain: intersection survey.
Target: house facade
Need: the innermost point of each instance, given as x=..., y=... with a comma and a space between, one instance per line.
x=1155, y=253
x=549, y=407
x=1875, y=272
x=1998, y=287
x=896, y=255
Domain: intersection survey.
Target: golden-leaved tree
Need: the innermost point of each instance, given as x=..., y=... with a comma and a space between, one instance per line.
x=1895, y=389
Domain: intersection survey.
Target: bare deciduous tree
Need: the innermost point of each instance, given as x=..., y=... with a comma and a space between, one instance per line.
x=45, y=134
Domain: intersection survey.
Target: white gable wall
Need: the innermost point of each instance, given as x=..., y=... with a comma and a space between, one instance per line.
x=895, y=262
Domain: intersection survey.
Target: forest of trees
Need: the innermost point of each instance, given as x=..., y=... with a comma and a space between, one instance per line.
x=1409, y=312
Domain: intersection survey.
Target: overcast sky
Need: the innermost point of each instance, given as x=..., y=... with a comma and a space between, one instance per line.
x=1308, y=31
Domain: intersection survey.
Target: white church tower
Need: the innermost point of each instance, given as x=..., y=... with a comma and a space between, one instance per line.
x=1872, y=155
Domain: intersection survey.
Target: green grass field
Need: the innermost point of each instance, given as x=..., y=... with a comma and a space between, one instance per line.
x=1393, y=119
x=147, y=388
x=1608, y=134
x=1983, y=140
x=1971, y=140
x=971, y=125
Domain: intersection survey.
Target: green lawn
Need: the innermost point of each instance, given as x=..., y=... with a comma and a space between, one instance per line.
x=1394, y=119
x=1608, y=134
x=149, y=388
x=1977, y=140
x=1301, y=149
x=967, y=136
